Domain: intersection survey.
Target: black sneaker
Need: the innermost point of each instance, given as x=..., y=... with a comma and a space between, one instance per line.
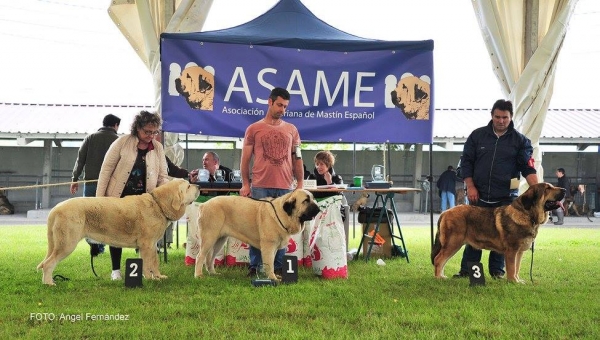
x=497, y=276
x=251, y=272
x=460, y=275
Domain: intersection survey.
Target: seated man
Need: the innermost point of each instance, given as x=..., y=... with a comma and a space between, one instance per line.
x=212, y=163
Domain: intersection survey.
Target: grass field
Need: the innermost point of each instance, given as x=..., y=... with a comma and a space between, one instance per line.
x=398, y=300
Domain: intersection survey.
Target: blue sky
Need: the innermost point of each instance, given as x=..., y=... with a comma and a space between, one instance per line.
x=63, y=51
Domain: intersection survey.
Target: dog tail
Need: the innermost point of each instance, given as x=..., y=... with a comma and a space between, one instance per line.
x=437, y=246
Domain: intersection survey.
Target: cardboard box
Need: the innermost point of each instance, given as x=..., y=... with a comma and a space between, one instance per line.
x=383, y=251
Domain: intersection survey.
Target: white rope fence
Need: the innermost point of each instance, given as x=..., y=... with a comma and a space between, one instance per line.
x=24, y=187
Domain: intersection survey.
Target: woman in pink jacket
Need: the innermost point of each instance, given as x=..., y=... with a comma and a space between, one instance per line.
x=134, y=164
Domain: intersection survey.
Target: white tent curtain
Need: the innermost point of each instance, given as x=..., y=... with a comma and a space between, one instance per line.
x=527, y=81
x=142, y=22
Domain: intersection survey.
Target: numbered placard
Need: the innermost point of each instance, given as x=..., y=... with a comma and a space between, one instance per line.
x=289, y=272
x=133, y=272
x=476, y=277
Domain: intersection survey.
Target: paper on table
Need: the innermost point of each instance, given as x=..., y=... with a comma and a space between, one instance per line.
x=332, y=186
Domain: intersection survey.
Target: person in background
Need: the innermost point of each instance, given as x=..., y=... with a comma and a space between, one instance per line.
x=89, y=158
x=134, y=164
x=212, y=163
x=446, y=185
x=563, y=182
x=493, y=158
x=324, y=173
x=272, y=142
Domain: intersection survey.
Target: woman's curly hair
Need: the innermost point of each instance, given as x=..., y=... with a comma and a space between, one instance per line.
x=144, y=118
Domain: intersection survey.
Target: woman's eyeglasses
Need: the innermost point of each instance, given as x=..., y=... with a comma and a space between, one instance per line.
x=151, y=133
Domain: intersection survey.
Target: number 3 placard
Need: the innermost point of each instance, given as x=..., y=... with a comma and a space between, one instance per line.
x=476, y=277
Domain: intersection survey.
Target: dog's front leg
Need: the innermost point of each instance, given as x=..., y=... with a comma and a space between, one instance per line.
x=518, y=266
x=268, y=251
x=511, y=266
x=150, y=258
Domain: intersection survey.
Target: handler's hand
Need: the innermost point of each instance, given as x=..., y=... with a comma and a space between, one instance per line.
x=74, y=187
x=472, y=195
x=245, y=191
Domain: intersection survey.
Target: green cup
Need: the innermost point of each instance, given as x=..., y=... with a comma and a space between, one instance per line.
x=357, y=181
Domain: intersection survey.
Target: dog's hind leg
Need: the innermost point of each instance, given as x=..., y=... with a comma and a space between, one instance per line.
x=210, y=258
x=440, y=260
x=57, y=251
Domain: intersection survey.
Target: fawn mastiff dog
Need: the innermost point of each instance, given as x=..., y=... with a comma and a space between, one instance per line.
x=264, y=224
x=132, y=221
x=508, y=229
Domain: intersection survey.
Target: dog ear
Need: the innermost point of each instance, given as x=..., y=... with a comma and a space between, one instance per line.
x=288, y=206
x=530, y=197
x=169, y=197
x=176, y=202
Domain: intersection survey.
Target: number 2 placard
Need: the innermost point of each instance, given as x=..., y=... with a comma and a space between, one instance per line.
x=133, y=272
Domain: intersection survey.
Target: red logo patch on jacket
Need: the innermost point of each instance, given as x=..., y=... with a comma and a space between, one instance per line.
x=531, y=163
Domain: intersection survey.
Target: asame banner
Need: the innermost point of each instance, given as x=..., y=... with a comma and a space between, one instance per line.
x=219, y=89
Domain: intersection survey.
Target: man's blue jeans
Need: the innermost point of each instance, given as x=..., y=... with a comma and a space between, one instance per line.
x=89, y=189
x=470, y=254
x=255, y=255
x=447, y=198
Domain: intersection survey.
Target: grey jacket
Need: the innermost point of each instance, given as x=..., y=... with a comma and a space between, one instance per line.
x=91, y=153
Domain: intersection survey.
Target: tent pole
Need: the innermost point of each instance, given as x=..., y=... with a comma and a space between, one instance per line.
x=430, y=178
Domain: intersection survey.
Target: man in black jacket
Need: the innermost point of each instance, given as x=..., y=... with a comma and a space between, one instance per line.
x=446, y=184
x=493, y=159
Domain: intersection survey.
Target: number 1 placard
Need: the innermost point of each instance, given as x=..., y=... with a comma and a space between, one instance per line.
x=289, y=272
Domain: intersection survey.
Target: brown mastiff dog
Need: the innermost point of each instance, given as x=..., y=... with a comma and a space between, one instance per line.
x=509, y=229
x=264, y=224
x=132, y=221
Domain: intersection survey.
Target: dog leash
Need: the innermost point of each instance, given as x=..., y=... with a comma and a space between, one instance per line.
x=531, y=266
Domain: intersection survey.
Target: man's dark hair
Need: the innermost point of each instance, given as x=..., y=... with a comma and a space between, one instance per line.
x=450, y=167
x=111, y=120
x=279, y=92
x=561, y=170
x=503, y=105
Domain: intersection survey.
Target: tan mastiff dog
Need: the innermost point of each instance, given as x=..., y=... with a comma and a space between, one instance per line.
x=132, y=221
x=265, y=224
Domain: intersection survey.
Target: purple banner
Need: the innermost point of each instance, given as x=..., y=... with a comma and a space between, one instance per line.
x=369, y=97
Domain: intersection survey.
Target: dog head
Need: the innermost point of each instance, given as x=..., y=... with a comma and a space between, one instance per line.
x=543, y=193
x=300, y=204
x=412, y=96
x=197, y=86
x=174, y=196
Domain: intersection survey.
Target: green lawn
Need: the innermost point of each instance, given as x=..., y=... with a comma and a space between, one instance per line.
x=398, y=300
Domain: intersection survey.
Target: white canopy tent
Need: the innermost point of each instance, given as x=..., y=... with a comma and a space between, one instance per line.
x=524, y=39
x=142, y=22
